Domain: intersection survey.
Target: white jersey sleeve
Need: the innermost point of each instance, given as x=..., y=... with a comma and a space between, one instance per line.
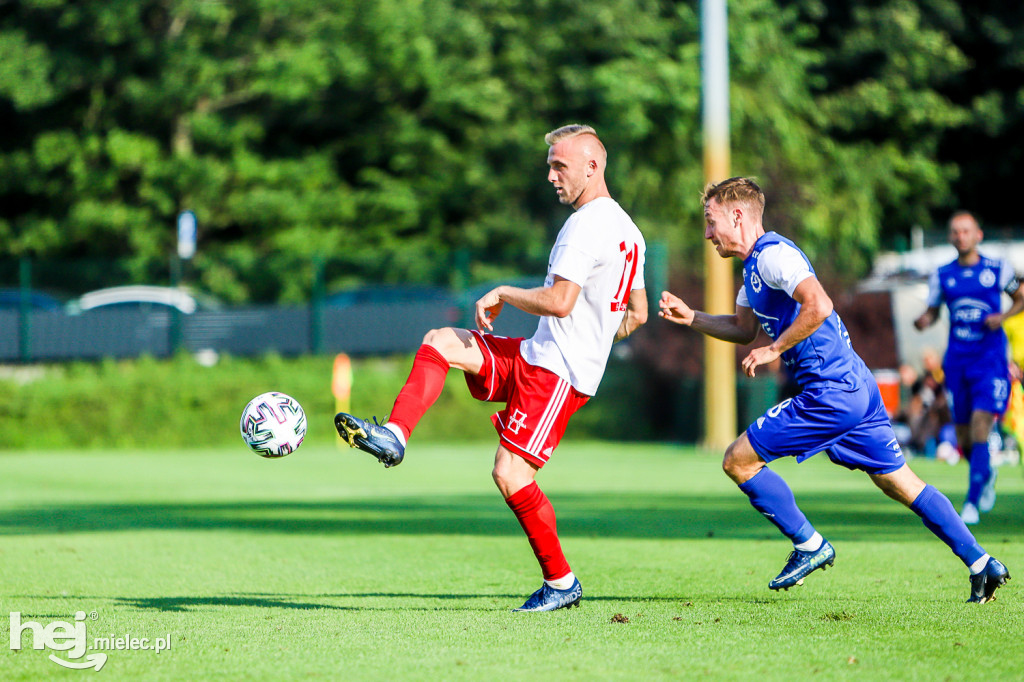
x=782, y=267
x=1007, y=277
x=600, y=249
x=741, y=299
x=934, y=290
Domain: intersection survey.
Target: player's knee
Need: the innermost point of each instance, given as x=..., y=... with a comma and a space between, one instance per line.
x=737, y=465
x=729, y=465
x=511, y=474
x=442, y=340
x=504, y=479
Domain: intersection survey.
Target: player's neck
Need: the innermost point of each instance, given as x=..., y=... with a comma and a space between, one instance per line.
x=751, y=243
x=594, y=191
x=970, y=258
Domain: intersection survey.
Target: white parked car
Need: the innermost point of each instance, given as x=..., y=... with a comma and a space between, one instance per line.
x=141, y=296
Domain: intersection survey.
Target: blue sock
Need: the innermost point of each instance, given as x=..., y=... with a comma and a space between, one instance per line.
x=772, y=497
x=981, y=469
x=938, y=515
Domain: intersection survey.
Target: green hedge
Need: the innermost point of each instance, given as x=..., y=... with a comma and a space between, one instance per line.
x=150, y=403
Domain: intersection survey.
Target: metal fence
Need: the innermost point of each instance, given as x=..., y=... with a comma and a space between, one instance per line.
x=361, y=329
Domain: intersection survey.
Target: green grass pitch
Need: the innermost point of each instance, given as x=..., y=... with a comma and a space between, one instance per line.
x=323, y=565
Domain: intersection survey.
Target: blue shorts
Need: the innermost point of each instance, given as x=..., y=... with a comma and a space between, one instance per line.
x=851, y=425
x=982, y=384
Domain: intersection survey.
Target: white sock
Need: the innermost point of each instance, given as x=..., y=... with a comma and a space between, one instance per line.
x=563, y=583
x=390, y=426
x=979, y=565
x=810, y=544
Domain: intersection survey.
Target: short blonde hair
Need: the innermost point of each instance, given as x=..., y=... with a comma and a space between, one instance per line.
x=565, y=132
x=573, y=130
x=735, y=190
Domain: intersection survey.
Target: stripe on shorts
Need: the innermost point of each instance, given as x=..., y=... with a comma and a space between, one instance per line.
x=487, y=348
x=547, y=420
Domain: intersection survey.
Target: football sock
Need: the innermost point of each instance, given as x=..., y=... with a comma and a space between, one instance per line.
x=562, y=583
x=981, y=470
x=812, y=545
x=537, y=517
x=979, y=565
x=772, y=497
x=941, y=518
x=421, y=389
x=397, y=430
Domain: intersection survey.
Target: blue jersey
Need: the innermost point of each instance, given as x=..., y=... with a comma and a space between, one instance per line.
x=839, y=409
x=973, y=292
x=770, y=274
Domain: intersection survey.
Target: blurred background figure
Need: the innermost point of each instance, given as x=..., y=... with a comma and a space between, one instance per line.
x=975, y=366
x=924, y=411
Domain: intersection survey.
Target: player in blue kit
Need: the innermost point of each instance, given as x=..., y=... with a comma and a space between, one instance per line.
x=976, y=366
x=839, y=409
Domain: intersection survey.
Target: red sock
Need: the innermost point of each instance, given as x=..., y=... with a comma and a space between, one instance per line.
x=429, y=369
x=537, y=517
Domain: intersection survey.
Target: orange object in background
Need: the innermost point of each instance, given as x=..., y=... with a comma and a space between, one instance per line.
x=888, y=381
x=341, y=385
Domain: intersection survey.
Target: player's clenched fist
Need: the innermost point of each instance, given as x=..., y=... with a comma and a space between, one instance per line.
x=674, y=309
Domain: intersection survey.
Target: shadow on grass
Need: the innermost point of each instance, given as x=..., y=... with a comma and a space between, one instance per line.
x=254, y=600
x=849, y=516
x=185, y=604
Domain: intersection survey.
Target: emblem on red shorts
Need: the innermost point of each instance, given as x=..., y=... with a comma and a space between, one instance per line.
x=517, y=421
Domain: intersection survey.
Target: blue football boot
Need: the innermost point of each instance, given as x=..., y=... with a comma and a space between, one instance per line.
x=801, y=563
x=548, y=598
x=370, y=437
x=984, y=584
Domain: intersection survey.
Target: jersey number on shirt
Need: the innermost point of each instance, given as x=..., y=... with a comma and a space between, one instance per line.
x=626, y=281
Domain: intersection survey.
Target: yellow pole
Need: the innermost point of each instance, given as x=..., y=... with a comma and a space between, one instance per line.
x=719, y=294
x=341, y=386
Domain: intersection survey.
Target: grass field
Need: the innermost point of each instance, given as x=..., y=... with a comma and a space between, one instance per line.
x=323, y=565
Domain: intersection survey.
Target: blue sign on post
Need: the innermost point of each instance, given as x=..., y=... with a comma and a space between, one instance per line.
x=186, y=234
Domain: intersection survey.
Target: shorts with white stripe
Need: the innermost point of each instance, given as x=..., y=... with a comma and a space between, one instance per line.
x=539, y=403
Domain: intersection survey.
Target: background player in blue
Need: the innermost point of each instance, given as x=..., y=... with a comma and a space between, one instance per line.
x=976, y=367
x=839, y=409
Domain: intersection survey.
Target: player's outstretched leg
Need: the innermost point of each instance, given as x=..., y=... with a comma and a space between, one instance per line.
x=370, y=437
x=939, y=516
x=985, y=582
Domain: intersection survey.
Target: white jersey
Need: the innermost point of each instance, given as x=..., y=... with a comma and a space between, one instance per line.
x=602, y=250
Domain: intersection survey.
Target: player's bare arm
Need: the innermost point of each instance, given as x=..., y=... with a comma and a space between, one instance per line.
x=557, y=300
x=815, y=307
x=995, y=321
x=740, y=327
x=636, y=314
x=927, y=318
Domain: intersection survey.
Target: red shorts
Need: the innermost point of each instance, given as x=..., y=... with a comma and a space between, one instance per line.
x=538, y=401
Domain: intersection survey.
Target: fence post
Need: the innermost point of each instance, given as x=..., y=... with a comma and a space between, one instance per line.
x=316, y=307
x=174, y=332
x=25, y=309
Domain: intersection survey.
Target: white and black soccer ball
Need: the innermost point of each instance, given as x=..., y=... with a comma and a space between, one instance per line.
x=273, y=424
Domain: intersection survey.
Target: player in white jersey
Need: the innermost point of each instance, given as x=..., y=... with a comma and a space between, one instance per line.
x=593, y=295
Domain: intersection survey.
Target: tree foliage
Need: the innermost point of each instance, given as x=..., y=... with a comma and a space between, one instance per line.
x=396, y=138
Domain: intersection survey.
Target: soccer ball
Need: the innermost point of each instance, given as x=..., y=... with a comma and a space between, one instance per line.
x=273, y=424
